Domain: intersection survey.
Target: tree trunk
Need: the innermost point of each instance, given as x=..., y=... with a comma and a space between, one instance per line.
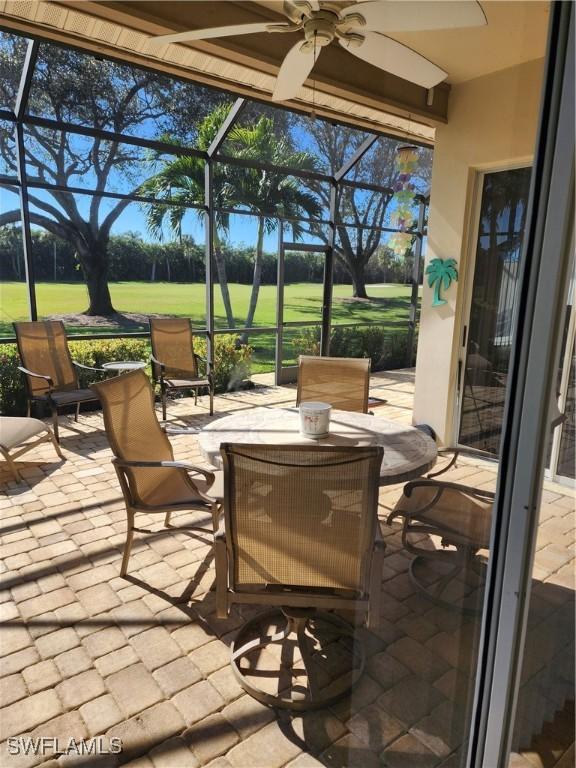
x=256, y=280
x=99, y=294
x=358, y=281
x=94, y=262
x=153, y=271
x=223, y=280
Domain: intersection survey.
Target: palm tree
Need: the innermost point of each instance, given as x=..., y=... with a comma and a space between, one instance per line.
x=269, y=193
x=180, y=184
x=441, y=273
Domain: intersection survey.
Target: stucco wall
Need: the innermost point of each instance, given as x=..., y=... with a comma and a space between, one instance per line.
x=492, y=124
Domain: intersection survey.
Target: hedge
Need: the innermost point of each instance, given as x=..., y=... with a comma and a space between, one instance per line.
x=386, y=350
x=231, y=365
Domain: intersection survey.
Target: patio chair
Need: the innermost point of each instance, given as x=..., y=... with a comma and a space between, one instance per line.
x=51, y=374
x=301, y=535
x=150, y=479
x=15, y=431
x=174, y=362
x=341, y=381
x=461, y=517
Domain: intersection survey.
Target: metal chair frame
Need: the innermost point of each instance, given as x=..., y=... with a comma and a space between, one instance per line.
x=123, y=467
x=361, y=367
x=52, y=387
x=160, y=370
x=464, y=554
x=298, y=605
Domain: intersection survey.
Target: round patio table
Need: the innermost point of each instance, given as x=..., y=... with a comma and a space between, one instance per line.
x=408, y=452
x=124, y=365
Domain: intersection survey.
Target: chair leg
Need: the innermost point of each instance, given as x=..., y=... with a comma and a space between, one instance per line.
x=195, y=396
x=163, y=395
x=55, y=444
x=128, y=545
x=167, y=519
x=55, y=422
x=11, y=465
x=211, y=401
x=29, y=408
x=221, y=563
x=215, y=509
x=77, y=412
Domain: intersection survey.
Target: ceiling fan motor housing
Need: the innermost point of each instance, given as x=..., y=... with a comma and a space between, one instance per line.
x=320, y=29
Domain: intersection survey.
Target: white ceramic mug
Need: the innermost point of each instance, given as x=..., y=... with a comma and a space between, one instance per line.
x=315, y=419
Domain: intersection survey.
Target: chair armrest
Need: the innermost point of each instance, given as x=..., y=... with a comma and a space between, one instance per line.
x=89, y=368
x=444, y=484
x=36, y=375
x=157, y=362
x=441, y=486
x=448, y=466
x=165, y=465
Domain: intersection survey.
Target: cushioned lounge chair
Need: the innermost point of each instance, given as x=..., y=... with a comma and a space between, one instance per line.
x=16, y=431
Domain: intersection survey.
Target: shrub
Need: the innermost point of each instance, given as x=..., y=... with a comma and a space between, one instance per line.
x=231, y=365
x=386, y=350
x=231, y=361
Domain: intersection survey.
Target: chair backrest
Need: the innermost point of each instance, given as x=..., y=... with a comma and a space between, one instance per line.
x=341, y=381
x=172, y=344
x=134, y=431
x=303, y=516
x=43, y=349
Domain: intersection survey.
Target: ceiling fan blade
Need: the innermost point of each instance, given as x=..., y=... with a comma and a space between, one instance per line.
x=398, y=59
x=417, y=15
x=295, y=68
x=207, y=34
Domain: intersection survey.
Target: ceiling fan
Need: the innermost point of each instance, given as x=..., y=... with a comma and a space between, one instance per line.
x=359, y=27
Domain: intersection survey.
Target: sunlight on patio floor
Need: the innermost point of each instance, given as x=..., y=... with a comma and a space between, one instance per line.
x=87, y=653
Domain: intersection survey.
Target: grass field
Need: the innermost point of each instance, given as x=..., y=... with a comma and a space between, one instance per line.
x=388, y=306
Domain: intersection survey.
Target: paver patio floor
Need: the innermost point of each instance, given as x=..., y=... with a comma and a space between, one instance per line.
x=85, y=653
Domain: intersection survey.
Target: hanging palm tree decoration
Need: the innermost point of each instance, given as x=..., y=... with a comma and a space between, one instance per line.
x=441, y=273
x=406, y=164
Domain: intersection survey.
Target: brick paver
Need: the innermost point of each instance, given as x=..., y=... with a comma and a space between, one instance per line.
x=86, y=653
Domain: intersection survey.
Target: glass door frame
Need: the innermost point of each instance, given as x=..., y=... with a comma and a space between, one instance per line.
x=531, y=391
x=287, y=374
x=464, y=323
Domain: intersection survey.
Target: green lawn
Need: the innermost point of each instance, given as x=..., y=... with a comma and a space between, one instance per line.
x=388, y=306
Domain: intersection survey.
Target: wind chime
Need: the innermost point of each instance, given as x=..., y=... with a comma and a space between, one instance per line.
x=406, y=164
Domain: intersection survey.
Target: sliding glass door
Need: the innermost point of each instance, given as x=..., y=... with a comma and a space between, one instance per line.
x=487, y=337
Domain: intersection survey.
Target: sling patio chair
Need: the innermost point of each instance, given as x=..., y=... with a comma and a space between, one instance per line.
x=174, y=362
x=150, y=479
x=51, y=374
x=461, y=517
x=340, y=381
x=16, y=431
x=301, y=535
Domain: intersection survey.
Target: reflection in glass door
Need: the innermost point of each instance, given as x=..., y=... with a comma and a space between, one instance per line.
x=561, y=454
x=487, y=339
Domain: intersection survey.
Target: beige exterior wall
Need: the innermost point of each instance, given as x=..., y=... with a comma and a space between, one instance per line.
x=492, y=124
